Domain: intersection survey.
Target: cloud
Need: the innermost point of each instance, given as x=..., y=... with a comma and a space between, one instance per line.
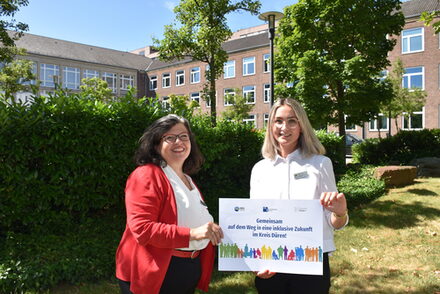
x=170, y=5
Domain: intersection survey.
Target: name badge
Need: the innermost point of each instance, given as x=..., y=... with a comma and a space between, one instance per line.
x=301, y=175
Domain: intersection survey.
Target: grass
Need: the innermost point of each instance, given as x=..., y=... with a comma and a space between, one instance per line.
x=391, y=246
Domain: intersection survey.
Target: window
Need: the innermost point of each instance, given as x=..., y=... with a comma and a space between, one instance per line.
x=266, y=119
x=250, y=120
x=266, y=93
x=349, y=126
x=380, y=122
x=196, y=97
x=195, y=75
x=228, y=97
x=229, y=69
x=180, y=77
x=166, y=80
x=49, y=74
x=248, y=66
x=126, y=81
x=414, y=121
x=71, y=78
x=110, y=78
x=90, y=74
x=153, y=83
x=413, y=78
x=249, y=94
x=165, y=103
x=266, y=63
x=412, y=40
x=208, y=101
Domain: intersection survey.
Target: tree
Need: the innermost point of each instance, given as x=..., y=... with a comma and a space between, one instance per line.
x=330, y=54
x=200, y=35
x=7, y=39
x=404, y=101
x=96, y=88
x=428, y=18
x=181, y=105
x=239, y=110
x=16, y=76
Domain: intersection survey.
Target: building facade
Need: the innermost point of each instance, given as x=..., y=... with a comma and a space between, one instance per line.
x=63, y=63
x=59, y=63
x=247, y=71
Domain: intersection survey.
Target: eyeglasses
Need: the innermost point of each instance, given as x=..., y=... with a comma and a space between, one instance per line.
x=290, y=123
x=173, y=138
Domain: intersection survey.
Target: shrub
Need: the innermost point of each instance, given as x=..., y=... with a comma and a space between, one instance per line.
x=401, y=148
x=65, y=160
x=359, y=185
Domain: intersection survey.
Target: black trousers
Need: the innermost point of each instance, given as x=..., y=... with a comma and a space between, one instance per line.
x=296, y=284
x=182, y=277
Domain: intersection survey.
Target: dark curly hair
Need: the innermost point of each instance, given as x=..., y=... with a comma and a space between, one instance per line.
x=147, y=151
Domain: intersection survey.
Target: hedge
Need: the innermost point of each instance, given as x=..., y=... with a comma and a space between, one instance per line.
x=399, y=149
x=64, y=162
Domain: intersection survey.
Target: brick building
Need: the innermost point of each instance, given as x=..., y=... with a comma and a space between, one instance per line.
x=247, y=69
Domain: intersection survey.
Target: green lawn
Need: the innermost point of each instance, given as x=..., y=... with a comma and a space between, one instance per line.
x=390, y=246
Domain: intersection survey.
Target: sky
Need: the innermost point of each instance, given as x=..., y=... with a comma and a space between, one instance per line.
x=117, y=24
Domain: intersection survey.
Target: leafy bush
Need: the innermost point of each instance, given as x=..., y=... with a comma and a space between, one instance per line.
x=398, y=149
x=332, y=142
x=359, y=185
x=65, y=160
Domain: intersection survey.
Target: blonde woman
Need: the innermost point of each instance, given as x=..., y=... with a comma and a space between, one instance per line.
x=294, y=167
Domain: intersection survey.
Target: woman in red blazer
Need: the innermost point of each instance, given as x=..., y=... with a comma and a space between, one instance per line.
x=169, y=239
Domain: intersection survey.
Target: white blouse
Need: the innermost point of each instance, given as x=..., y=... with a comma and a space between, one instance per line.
x=296, y=177
x=192, y=211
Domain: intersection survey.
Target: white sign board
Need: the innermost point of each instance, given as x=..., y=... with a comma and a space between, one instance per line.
x=279, y=235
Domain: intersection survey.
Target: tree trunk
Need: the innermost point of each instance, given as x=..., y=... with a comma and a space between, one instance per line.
x=342, y=134
x=212, y=97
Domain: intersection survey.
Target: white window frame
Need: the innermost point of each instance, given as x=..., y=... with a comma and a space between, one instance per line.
x=266, y=63
x=229, y=65
x=166, y=80
x=90, y=73
x=49, y=75
x=409, y=75
x=126, y=80
x=195, y=75
x=247, y=63
x=422, y=113
x=406, y=40
x=375, y=123
x=71, y=77
x=266, y=93
x=208, y=102
x=111, y=79
x=153, y=83
x=265, y=120
x=165, y=103
x=195, y=96
x=251, y=119
x=180, y=77
x=248, y=92
x=348, y=129
x=228, y=91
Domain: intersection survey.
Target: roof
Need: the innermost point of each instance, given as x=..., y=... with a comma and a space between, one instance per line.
x=416, y=7
x=45, y=46
x=236, y=45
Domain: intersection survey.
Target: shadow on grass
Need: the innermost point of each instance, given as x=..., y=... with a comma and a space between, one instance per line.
x=392, y=214
x=422, y=192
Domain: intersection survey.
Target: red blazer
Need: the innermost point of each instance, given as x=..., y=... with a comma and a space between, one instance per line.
x=144, y=252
